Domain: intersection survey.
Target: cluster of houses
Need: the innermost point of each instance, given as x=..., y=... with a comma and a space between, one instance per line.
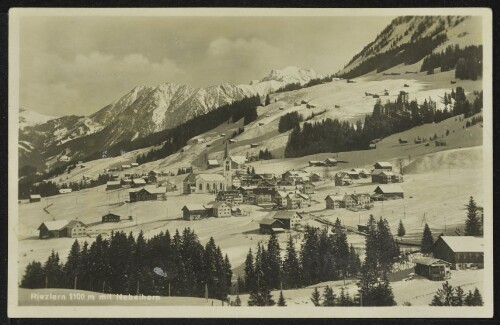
x=215, y=209
x=328, y=162
x=451, y=253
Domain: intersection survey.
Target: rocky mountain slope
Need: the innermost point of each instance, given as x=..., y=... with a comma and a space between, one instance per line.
x=142, y=111
x=408, y=39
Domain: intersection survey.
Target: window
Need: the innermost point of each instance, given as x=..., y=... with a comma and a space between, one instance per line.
x=201, y=186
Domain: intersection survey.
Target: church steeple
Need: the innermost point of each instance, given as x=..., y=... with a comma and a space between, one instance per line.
x=226, y=152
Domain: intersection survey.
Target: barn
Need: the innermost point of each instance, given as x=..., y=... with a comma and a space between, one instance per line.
x=62, y=228
x=433, y=268
x=35, y=198
x=334, y=202
x=268, y=226
x=382, y=165
x=289, y=219
x=219, y=209
x=110, y=217
x=148, y=193
x=212, y=163
x=194, y=212
x=463, y=252
x=388, y=192
x=65, y=190
x=112, y=185
x=138, y=182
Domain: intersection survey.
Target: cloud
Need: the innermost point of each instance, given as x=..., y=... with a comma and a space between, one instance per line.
x=84, y=83
x=251, y=57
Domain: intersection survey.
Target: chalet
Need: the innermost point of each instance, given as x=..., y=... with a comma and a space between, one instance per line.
x=62, y=228
x=194, y=212
x=384, y=176
x=315, y=177
x=134, y=164
x=236, y=211
x=269, y=226
x=388, y=192
x=138, y=182
x=265, y=183
x=123, y=167
x=232, y=140
x=363, y=228
x=170, y=187
x=203, y=183
x=237, y=162
x=290, y=219
x=263, y=195
x=233, y=197
x=219, y=209
x=148, y=193
x=362, y=173
x=285, y=183
x=382, y=165
x=212, y=163
x=261, y=123
x=297, y=201
x=280, y=198
x=64, y=158
x=113, y=185
x=296, y=176
x=432, y=268
x=281, y=108
x=151, y=179
x=65, y=190
x=330, y=162
x=342, y=179
x=316, y=163
x=353, y=174
x=110, y=217
x=357, y=200
x=35, y=198
x=254, y=145
x=463, y=252
x=125, y=181
x=334, y=202
x=372, y=146
x=308, y=188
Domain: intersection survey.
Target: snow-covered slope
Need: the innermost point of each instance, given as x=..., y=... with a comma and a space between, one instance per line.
x=459, y=30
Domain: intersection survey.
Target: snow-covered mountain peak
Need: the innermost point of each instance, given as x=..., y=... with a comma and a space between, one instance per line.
x=292, y=74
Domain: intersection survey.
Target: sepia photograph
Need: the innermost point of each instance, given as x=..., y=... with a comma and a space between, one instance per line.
x=311, y=162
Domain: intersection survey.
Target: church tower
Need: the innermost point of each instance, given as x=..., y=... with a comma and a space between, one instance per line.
x=227, y=169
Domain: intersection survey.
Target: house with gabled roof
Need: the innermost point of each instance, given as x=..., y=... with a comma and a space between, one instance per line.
x=269, y=226
x=290, y=219
x=334, y=201
x=35, y=198
x=194, y=212
x=463, y=252
x=387, y=192
x=342, y=179
x=432, y=268
x=382, y=165
x=62, y=228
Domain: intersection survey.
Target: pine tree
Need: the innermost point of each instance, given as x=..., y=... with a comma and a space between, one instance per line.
x=250, y=276
x=72, y=266
x=477, y=298
x=281, y=300
x=443, y=296
x=315, y=297
x=472, y=224
x=401, y=229
x=328, y=297
x=34, y=276
x=291, y=267
x=272, y=263
x=469, y=299
x=53, y=271
x=458, y=298
x=427, y=240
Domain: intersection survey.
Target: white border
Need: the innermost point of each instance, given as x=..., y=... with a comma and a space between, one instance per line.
x=247, y=312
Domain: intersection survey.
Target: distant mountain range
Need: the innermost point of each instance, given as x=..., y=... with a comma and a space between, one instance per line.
x=142, y=111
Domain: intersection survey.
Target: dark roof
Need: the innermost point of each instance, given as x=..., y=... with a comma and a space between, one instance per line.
x=284, y=214
x=269, y=221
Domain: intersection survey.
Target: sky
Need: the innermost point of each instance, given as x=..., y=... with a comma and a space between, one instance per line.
x=77, y=65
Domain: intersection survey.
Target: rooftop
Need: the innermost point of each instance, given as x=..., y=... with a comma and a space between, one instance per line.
x=430, y=261
x=55, y=225
x=464, y=244
x=390, y=188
